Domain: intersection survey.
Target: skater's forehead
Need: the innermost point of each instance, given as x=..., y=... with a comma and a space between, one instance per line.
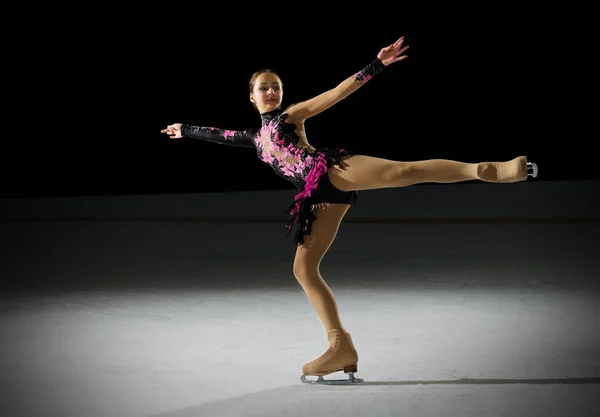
x=268, y=78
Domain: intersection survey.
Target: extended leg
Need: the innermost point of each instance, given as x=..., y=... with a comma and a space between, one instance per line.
x=362, y=172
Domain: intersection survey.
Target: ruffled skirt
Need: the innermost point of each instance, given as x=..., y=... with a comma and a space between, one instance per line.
x=318, y=189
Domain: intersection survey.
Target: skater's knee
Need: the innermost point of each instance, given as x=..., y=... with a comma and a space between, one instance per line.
x=405, y=172
x=304, y=272
x=300, y=270
x=412, y=171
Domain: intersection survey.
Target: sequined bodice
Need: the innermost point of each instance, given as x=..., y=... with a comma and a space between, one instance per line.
x=278, y=145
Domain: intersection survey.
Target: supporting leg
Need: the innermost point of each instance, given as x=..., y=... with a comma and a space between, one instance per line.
x=341, y=354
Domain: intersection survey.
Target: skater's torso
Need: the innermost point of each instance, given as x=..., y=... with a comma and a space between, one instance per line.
x=285, y=147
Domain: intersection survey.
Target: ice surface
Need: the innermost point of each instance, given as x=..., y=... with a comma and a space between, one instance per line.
x=177, y=319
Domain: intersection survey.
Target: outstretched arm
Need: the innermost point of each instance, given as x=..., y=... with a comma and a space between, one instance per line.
x=211, y=134
x=301, y=111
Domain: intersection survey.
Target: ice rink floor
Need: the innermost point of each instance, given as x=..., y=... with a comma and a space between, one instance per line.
x=184, y=319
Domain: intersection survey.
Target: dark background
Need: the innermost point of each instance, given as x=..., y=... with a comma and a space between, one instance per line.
x=85, y=100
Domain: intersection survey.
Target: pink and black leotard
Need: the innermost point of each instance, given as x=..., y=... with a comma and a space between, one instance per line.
x=278, y=144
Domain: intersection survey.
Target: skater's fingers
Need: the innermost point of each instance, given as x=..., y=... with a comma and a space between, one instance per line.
x=398, y=42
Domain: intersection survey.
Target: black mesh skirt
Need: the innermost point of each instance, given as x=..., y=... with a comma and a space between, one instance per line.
x=301, y=209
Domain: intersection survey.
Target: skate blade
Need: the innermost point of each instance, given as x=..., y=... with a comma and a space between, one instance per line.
x=532, y=169
x=322, y=381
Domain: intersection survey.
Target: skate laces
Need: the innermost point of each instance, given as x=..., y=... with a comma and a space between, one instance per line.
x=501, y=171
x=510, y=170
x=334, y=343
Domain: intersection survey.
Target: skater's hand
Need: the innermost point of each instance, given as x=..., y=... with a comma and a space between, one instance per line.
x=392, y=53
x=174, y=131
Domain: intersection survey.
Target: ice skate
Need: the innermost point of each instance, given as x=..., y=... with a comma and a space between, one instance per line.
x=515, y=170
x=340, y=356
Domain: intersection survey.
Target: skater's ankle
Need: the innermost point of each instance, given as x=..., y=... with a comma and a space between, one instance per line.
x=487, y=171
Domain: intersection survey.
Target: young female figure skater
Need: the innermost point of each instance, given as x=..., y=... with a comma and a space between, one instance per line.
x=328, y=181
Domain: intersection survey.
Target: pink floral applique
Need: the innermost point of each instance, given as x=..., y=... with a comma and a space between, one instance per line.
x=311, y=183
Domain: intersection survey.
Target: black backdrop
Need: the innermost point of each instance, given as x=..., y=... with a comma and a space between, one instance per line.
x=89, y=101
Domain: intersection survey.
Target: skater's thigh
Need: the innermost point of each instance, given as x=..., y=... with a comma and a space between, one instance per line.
x=361, y=172
x=324, y=230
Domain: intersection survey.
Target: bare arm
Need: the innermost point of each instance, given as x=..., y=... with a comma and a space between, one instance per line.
x=299, y=112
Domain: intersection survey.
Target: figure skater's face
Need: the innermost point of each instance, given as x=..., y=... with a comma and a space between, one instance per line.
x=267, y=92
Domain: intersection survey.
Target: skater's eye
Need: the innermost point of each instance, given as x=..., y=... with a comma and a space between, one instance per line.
x=275, y=88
